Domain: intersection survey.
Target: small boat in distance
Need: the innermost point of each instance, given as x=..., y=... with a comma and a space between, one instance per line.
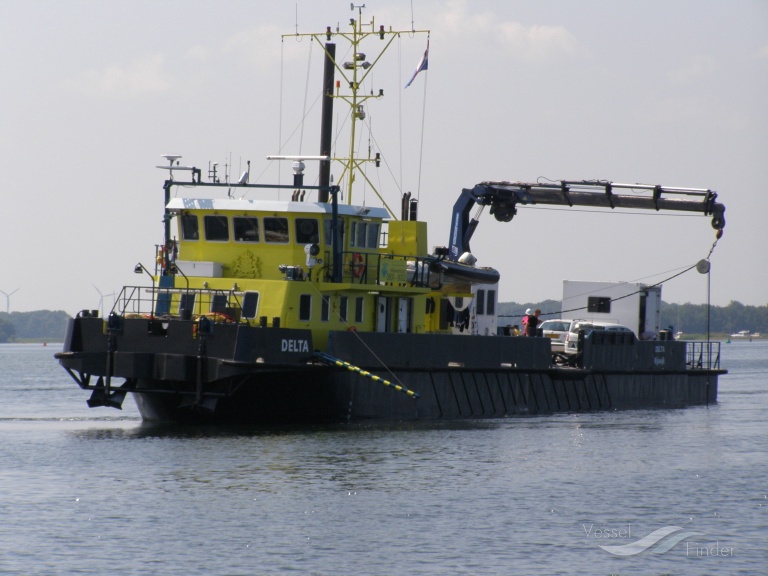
x=742, y=334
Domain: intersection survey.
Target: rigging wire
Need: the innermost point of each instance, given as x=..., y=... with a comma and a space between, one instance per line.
x=400, y=103
x=421, y=140
x=306, y=94
x=280, y=119
x=718, y=235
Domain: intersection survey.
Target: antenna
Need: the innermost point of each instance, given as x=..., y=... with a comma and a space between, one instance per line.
x=244, y=177
x=171, y=167
x=171, y=157
x=298, y=166
x=212, y=176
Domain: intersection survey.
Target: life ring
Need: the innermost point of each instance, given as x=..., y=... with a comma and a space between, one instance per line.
x=358, y=265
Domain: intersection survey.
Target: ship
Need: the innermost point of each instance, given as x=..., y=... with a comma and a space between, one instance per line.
x=266, y=310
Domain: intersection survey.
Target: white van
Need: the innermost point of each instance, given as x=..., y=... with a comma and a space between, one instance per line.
x=571, y=345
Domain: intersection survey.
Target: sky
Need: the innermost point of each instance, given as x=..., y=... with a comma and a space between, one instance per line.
x=649, y=91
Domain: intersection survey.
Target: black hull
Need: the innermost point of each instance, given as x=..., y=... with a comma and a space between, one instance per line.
x=304, y=398
x=241, y=374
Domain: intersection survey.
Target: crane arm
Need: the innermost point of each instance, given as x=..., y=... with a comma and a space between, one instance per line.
x=503, y=198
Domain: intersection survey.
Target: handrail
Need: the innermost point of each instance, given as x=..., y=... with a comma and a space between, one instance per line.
x=702, y=355
x=132, y=300
x=362, y=267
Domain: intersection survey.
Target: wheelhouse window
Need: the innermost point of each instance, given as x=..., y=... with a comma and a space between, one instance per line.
x=365, y=234
x=307, y=231
x=276, y=230
x=189, y=227
x=358, y=234
x=246, y=229
x=216, y=228
x=329, y=231
x=372, y=237
x=305, y=307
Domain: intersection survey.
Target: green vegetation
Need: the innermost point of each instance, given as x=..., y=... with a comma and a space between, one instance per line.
x=41, y=325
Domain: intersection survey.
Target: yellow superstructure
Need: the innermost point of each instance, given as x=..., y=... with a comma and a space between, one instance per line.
x=271, y=263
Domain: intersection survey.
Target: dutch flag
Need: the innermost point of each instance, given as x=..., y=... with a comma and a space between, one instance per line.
x=423, y=65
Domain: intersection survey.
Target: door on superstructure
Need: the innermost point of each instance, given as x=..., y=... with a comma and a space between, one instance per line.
x=383, y=316
x=404, y=314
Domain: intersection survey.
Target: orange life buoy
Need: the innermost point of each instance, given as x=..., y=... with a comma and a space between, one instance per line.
x=358, y=265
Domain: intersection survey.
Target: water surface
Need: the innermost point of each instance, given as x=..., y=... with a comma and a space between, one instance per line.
x=96, y=491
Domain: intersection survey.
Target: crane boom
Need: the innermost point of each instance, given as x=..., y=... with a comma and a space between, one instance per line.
x=503, y=198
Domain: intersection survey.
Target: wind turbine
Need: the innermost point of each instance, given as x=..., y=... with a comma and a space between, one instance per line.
x=101, y=299
x=8, y=300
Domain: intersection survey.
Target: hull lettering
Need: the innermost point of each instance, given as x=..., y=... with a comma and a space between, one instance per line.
x=294, y=345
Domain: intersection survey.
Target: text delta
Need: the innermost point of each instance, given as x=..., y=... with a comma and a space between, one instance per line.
x=294, y=345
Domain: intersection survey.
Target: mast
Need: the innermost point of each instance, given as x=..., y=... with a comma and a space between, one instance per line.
x=326, y=129
x=353, y=73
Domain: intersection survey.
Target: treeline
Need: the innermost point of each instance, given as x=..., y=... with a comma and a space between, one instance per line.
x=38, y=325
x=692, y=318
x=688, y=318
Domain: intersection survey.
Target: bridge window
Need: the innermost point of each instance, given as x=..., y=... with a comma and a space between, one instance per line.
x=276, y=230
x=372, y=238
x=305, y=307
x=358, y=234
x=365, y=234
x=189, y=227
x=246, y=229
x=216, y=228
x=307, y=231
x=480, y=302
x=329, y=233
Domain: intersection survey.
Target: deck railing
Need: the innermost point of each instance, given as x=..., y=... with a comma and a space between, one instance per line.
x=702, y=355
x=382, y=269
x=182, y=302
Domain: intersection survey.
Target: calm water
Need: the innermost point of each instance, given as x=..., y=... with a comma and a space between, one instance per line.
x=97, y=492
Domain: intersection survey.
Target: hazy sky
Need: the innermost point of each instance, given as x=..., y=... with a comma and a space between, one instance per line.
x=659, y=92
